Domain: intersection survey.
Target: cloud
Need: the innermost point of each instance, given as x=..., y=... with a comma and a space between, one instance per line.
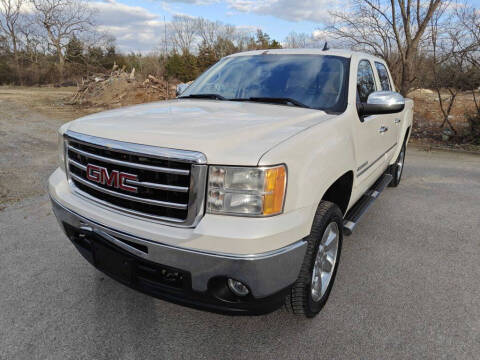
x=134, y=27
x=193, y=2
x=291, y=10
x=309, y=10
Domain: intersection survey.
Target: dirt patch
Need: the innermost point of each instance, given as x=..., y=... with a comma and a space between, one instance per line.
x=428, y=116
x=29, y=119
x=48, y=101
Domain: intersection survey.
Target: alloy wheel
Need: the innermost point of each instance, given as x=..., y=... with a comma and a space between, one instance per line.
x=325, y=261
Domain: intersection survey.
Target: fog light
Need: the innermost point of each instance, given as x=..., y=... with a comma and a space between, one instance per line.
x=237, y=287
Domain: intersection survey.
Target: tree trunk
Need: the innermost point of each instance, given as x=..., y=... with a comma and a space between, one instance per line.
x=17, y=60
x=407, y=72
x=61, y=61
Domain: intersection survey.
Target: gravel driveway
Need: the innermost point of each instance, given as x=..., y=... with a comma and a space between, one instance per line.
x=408, y=287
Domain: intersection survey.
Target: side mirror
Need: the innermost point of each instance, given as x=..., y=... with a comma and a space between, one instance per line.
x=382, y=102
x=181, y=88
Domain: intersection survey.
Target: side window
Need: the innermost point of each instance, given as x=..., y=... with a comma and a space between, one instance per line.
x=365, y=80
x=383, y=75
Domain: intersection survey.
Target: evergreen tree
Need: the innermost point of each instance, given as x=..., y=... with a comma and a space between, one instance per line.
x=74, y=50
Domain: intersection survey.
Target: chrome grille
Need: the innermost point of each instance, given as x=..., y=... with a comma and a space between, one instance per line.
x=170, y=184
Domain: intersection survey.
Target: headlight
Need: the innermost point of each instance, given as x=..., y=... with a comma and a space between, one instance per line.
x=61, y=151
x=250, y=191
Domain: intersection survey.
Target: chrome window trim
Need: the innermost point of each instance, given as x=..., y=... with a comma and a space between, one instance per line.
x=198, y=176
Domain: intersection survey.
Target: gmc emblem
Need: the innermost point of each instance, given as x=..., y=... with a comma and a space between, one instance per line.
x=114, y=179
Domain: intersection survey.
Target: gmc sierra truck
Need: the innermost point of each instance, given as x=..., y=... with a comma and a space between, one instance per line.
x=235, y=196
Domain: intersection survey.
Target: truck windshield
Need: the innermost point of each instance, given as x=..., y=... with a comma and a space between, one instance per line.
x=314, y=81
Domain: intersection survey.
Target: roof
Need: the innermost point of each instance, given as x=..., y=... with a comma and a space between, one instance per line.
x=334, y=52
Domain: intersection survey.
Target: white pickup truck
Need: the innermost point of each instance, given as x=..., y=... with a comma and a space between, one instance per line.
x=235, y=196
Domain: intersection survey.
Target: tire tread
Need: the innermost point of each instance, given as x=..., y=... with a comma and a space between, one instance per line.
x=297, y=301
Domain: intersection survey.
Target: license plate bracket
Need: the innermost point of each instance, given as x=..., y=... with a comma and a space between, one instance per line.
x=113, y=263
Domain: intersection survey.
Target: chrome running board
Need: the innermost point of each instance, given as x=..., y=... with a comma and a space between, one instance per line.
x=361, y=206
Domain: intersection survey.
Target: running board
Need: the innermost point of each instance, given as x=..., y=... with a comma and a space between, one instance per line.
x=361, y=206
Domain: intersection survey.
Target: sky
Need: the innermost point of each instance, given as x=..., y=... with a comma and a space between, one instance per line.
x=138, y=25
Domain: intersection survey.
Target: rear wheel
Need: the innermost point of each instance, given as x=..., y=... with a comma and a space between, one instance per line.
x=396, y=170
x=324, y=244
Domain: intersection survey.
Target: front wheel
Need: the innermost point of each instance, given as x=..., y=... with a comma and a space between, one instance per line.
x=311, y=290
x=396, y=170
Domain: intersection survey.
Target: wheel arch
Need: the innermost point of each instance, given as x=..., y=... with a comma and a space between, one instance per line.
x=403, y=139
x=407, y=135
x=340, y=191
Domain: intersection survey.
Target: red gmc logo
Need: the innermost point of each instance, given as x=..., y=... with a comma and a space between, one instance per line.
x=115, y=178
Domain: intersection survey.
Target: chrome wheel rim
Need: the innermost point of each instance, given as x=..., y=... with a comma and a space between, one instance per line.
x=400, y=161
x=325, y=261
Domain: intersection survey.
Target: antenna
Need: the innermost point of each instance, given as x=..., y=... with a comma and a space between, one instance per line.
x=326, y=47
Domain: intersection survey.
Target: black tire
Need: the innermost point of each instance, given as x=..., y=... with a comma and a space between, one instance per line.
x=396, y=170
x=300, y=300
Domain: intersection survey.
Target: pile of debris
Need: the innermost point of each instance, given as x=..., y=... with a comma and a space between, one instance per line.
x=121, y=88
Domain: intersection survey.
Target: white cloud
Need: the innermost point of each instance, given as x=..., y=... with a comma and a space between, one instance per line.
x=134, y=27
x=291, y=10
x=194, y=2
x=310, y=10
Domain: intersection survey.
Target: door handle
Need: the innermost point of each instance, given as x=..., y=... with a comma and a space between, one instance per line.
x=383, y=129
x=397, y=121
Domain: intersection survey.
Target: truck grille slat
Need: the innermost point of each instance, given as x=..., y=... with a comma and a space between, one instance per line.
x=140, y=183
x=183, y=189
x=128, y=197
x=129, y=164
x=169, y=190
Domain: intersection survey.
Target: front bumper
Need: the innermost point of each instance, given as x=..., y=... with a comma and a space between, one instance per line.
x=189, y=277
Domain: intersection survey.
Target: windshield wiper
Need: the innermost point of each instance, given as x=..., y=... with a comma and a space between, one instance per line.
x=275, y=100
x=203, y=96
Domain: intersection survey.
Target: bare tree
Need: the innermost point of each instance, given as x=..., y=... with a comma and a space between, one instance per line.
x=469, y=32
x=63, y=19
x=297, y=40
x=392, y=29
x=184, y=30
x=10, y=14
x=470, y=36
x=33, y=39
x=208, y=31
x=452, y=46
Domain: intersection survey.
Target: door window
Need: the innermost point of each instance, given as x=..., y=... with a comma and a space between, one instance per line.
x=383, y=76
x=365, y=80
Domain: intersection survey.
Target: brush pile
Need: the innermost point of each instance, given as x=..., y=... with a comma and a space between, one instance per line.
x=121, y=88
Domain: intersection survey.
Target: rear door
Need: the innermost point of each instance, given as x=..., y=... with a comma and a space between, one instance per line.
x=370, y=144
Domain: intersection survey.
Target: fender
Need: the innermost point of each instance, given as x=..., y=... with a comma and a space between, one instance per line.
x=316, y=159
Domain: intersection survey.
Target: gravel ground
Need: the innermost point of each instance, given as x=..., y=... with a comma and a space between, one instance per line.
x=29, y=119
x=408, y=285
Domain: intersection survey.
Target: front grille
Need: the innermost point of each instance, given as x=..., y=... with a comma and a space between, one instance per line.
x=170, y=189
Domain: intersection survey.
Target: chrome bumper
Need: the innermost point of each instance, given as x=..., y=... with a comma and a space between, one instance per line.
x=265, y=274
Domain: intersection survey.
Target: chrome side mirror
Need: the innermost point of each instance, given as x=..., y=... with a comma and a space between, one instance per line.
x=181, y=88
x=382, y=102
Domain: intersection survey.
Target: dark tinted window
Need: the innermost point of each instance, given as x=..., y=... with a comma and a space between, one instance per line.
x=383, y=75
x=318, y=81
x=365, y=80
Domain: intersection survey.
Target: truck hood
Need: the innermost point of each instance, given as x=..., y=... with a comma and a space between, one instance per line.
x=227, y=132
